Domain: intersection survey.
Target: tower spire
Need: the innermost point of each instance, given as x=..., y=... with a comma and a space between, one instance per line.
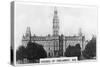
x=80, y=32
x=55, y=23
x=28, y=33
x=55, y=10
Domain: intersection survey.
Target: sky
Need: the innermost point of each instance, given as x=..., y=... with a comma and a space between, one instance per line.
x=40, y=20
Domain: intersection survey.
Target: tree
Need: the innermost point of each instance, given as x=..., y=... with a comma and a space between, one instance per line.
x=78, y=50
x=32, y=52
x=90, y=49
x=67, y=52
x=21, y=53
x=73, y=51
x=35, y=51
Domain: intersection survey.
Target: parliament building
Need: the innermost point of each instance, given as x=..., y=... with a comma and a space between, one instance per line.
x=55, y=44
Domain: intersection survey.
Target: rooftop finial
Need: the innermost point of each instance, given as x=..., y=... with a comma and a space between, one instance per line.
x=55, y=10
x=80, y=32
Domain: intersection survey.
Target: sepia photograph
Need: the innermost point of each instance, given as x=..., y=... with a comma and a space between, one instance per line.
x=49, y=33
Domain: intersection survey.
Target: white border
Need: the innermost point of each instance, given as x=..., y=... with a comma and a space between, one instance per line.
x=51, y=4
